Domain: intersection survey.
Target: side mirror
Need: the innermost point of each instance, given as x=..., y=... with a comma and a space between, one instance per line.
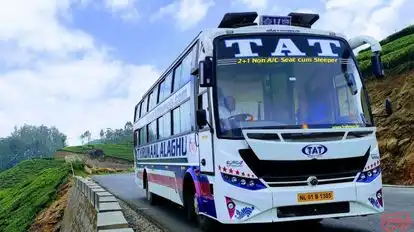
x=206, y=72
x=201, y=118
x=388, y=107
x=377, y=68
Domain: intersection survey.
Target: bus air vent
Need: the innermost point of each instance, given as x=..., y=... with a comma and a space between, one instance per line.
x=263, y=136
x=278, y=173
x=358, y=134
x=313, y=136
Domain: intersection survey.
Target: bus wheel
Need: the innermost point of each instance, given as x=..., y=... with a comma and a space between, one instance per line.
x=150, y=196
x=190, y=204
x=312, y=222
x=205, y=223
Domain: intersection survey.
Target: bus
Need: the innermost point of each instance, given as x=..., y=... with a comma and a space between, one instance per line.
x=262, y=121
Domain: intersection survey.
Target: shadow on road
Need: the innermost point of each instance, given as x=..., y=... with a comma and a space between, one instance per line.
x=171, y=216
x=179, y=214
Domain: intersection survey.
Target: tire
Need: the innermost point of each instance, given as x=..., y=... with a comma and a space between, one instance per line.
x=311, y=223
x=151, y=198
x=189, y=205
x=206, y=224
x=314, y=221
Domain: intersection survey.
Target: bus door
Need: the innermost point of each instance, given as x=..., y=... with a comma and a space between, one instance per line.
x=205, y=138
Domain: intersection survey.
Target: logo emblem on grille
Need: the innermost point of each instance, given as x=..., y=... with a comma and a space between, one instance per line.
x=314, y=150
x=312, y=181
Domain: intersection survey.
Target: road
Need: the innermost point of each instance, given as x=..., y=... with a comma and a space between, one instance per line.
x=168, y=215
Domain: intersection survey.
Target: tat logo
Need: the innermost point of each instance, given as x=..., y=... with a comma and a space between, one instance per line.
x=398, y=221
x=314, y=150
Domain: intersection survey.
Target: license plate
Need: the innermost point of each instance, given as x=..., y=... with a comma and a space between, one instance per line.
x=316, y=196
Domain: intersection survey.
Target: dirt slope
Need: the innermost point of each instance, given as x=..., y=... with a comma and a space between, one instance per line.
x=49, y=220
x=396, y=132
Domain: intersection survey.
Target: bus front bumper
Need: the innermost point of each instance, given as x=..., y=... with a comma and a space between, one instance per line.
x=284, y=203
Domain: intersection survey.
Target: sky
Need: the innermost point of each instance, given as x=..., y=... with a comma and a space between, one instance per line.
x=84, y=64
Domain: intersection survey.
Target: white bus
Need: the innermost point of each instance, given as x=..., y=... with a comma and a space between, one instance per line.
x=262, y=122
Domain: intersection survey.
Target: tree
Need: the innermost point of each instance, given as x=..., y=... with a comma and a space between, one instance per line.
x=102, y=134
x=128, y=126
x=88, y=135
x=28, y=142
x=119, y=135
x=82, y=137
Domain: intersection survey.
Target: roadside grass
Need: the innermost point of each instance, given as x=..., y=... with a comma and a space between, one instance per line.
x=28, y=188
x=119, y=151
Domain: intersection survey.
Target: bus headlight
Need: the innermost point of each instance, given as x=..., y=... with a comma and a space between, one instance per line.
x=251, y=183
x=243, y=182
x=369, y=175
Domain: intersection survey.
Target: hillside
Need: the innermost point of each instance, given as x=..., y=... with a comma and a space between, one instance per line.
x=397, y=54
x=26, y=189
x=121, y=151
x=395, y=133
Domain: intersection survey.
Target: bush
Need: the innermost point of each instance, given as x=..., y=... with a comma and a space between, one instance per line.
x=404, y=32
x=390, y=47
x=95, y=153
x=76, y=161
x=119, y=151
x=391, y=60
x=33, y=186
x=397, y=53
x=24, y=170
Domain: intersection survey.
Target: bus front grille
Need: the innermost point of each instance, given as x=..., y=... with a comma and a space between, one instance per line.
x=313, y=209
x=280, y=173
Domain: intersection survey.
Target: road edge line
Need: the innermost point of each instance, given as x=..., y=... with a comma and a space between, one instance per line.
x=398, y=186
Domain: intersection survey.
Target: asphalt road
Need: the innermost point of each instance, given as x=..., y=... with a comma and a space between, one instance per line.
x=168, y=215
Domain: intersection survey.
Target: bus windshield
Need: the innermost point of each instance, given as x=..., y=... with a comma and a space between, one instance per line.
x=289, y=81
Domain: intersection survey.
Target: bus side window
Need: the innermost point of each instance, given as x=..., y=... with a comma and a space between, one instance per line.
x=160, y=128
x=136, y=137
x=144, y=106
x=203, y=104
x=176, y=121
x=143, y=135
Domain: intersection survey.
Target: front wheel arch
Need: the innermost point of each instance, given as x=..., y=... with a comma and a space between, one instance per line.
x=144, y=179
x=189, y=192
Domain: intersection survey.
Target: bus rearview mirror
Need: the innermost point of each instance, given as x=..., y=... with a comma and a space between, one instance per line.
x=377, y=67
x=201, y=118
x=206, y=72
